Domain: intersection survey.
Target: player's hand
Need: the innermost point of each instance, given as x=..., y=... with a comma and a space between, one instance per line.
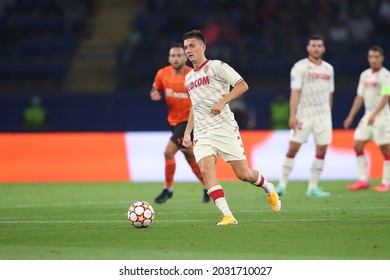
x=347, y=122
x=187, y=140
x=371, y=120
x=155, y=95
x=216, y=109
x=293, y=122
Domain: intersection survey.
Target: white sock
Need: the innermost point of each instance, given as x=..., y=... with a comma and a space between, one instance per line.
x=223, y=206
x=386, y=172
x=267, y=186
x=170, y=189
x=362, y=167
x=220, y=202
x=288, y=165
x=316, y=170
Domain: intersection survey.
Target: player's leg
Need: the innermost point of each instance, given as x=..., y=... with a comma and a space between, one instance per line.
x=190, y=158
x=170, y=167
x=231, y=149
x=170, y=163
x=215, y=190
x=362, y=134
x=322, y=132
x=381, y=136
x=297, y=137
x=316, y=170
x=206, y=156
x=244, y=173
x=361, y=160
x=384, y=186
x=287, y=167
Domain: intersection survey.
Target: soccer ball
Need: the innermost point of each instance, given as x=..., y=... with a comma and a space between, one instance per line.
x=140, y=214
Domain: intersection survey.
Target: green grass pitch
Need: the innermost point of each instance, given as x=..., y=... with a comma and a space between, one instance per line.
x=77, y=221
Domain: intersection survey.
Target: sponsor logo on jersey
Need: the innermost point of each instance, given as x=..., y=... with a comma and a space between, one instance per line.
x=371, y=84
x=198, y=82
x=321, y=76
x=171, y=93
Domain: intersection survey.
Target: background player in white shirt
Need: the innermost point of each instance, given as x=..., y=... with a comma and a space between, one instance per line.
x=374, y=92
x=312, y=86
x=215, y=130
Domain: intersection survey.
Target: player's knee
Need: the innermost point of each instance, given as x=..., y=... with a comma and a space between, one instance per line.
x=206, y=171
x=292, y=152
x=358, y=148
x=293, y=149
x=245, y=176
x=188, y=154
x=169, y=155
x=385, y=149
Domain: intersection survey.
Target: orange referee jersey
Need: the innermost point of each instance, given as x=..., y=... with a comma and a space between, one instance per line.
x=175, y=93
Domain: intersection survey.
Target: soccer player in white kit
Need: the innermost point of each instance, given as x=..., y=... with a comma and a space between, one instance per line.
x=215, y=130
x=312, y=87
x=374, y=92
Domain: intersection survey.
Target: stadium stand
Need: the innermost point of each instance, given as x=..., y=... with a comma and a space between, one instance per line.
x=109, y=60
x=38, y=41
x=260, y=38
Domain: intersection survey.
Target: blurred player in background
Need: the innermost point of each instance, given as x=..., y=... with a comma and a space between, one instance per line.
x=374, y=92
x=170, y=79
x=215, y=130
x=312, y=86
x=35, y=116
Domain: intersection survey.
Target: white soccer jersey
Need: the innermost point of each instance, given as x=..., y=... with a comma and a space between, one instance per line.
x=316, y=83
x=207, y=85
x=372, y=86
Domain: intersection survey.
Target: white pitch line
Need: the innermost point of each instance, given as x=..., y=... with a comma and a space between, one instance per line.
x=84, y=203
x=91, y=203
x=196, y=221
x=60, y=222
x=175, y=213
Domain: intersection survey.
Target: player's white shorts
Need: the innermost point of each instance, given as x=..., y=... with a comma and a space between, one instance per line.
x=379, y=132
x=225, y=142
x=321, y=129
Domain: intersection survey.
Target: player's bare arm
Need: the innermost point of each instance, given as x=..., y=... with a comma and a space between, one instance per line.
x=187, y=133
x=155, y=95
x=294, y=99
x=357, y=104
x=385, y=99
x=239, y=89
x=331, y=100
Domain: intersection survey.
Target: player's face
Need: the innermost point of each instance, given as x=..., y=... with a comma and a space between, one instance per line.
x=177, y=57
x=375, y=59
x=194, y=49
x=316, y=49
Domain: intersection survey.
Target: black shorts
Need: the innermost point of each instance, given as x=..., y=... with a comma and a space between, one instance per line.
x=178, y=134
